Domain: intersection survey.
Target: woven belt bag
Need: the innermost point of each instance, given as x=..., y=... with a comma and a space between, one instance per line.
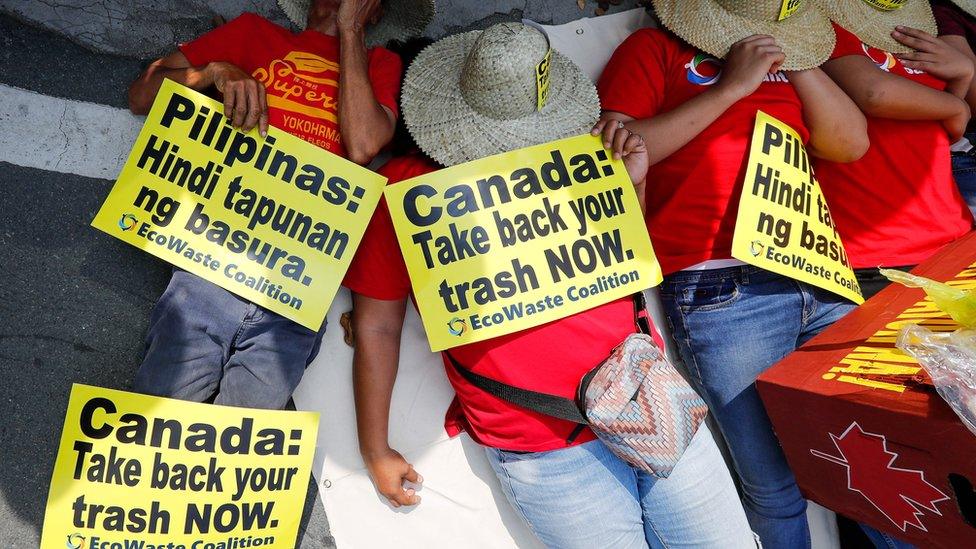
x=635, y=401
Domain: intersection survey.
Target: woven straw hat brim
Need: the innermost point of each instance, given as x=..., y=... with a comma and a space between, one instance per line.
x=401, y=18
x=874, y=26
x=451, y=132
x=968, y=6
x=806, y=36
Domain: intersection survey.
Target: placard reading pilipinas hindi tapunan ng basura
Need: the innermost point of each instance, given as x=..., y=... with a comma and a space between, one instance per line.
x=519, y=239
x=275, y=220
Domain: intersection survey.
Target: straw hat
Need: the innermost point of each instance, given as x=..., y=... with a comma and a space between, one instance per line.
x=968, y=6
x=401, y=18
x=713, y=26
x=476, y=94
x=873, y=20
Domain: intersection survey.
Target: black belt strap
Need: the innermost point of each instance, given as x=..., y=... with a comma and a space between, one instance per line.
x=544, y=403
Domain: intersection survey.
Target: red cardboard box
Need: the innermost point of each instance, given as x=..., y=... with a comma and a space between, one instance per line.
x=864, y=433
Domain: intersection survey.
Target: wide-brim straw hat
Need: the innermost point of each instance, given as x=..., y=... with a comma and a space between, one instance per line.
x=968, y=6
x=401, y=19
x=713, y=26
x=475, y=94
x=874, y=25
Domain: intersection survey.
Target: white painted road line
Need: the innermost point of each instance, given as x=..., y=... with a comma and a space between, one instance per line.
x=64, y=136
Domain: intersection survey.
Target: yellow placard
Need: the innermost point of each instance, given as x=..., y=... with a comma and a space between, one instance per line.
x=788, y=8
x=887, y=5
x=274, y=220
x=784, y=225
x=519, y=239
x=148, y=472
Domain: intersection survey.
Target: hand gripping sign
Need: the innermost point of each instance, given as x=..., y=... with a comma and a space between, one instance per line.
x=141, y=471
x=784, y=225
x=519, y=239
x=274, y=220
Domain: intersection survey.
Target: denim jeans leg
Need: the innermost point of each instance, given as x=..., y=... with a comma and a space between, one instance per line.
x=730, y=326
x=189, y=338
x=964, y=171
x=579, y=497
x=698, y=505
x=267, y=361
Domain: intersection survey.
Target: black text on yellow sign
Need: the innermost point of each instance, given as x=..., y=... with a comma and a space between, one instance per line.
x=274, y=220
x=148, y=472
x=519, y=239
x=784, y=225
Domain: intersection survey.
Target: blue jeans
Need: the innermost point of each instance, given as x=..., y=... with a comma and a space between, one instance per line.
x=206, y=343
x=730, y=325
x=964, y=170
x=584, y=497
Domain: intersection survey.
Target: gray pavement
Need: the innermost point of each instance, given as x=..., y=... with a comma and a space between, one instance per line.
x=74, y=302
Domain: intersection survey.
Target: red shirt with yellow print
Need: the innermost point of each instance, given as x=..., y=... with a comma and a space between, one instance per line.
x=300, y=72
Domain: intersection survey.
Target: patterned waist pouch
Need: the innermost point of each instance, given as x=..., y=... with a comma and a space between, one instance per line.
x=635, y=401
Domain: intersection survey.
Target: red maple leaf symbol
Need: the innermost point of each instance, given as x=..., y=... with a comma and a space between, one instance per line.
x=900, y=494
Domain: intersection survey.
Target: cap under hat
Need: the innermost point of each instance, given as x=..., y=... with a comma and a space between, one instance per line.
x=873, y=20
x=401, y=18
x=480, y=93
x=713, y=26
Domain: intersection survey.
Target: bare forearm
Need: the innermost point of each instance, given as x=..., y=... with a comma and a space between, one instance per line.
x=142, y=92
x=838, y=129
x=376, y=328
x=364, y=124
x=668, y=132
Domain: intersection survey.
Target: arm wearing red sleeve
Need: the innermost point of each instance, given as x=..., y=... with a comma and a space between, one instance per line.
x=385, y=72
x=884, y=95
x=633, y=87
x=194, y=63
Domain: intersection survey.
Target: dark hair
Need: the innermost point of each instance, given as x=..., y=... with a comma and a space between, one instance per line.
x=408, y=50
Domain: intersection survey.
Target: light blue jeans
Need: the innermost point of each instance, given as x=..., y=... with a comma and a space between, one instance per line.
x=585, y=497
x=730, y=326
x=964, y=171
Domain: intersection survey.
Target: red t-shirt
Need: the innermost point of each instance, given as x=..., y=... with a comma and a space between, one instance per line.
x=550, y=358
x=300, y=72
x=898, y=204
x=692, y=195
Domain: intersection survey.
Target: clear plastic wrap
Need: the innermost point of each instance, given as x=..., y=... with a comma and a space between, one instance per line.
x=950, y=360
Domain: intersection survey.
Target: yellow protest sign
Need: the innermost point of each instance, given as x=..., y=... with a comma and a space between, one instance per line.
x=788, y=8
x=274, y=220
x=148, y=472
x=519, y=239
x=784, y=225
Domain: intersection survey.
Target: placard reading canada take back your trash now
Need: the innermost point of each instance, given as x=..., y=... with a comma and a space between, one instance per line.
x=519, y=239
x=275, y=220
x=137, y=471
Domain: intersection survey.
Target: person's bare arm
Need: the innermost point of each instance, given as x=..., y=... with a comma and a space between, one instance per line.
x=962, y=45
x=838, y=129
x=376, y=334
x=937, y=58
x=364, y=124
x=748, y=62
x=878, y=93
x=245, y=102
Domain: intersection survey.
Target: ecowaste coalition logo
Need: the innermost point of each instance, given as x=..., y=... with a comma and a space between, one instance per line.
x=456, y=326
x=75, y=541
x=756, y=248
x=127, y=221
x=704, y=70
